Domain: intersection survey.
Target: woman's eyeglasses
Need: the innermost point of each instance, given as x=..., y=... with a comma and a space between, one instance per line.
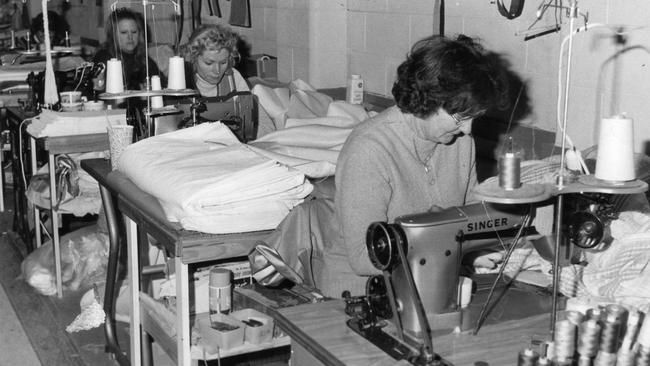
x=461, y=119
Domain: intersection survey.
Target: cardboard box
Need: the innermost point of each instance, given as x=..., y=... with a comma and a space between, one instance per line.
x=262, y=65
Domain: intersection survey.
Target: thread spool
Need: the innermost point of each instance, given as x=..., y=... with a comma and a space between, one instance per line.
x=642, y=356
x=615, y=160
x=575, y=317
x=509, y=166
x=176, y=73
x=589, y=338
x=114, y=80
x=527, y=357
x=609, y=334
x=643, y=338
x=156, y=102
x=596, y=313
x=565, y=333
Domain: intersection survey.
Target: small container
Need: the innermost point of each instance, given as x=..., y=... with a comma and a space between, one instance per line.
x=90, y=105
x=71, y=107
x=255, y=333
x=70, y=97
x=219, y=331
x=354, y=93
x=220, y=291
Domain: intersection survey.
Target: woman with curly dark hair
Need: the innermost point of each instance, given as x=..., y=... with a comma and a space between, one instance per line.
x=211, y=54
x=413, y=157
x=125, y=41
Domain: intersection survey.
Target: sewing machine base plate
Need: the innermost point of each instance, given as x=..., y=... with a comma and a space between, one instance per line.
x=393, y=347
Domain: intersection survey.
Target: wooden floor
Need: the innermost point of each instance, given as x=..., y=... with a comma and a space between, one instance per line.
x=44, y=318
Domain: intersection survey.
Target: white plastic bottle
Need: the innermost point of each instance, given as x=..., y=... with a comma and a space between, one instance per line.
x=355, y=90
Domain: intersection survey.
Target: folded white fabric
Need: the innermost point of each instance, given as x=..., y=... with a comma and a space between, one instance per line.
x=208, y=181
x=50, y=123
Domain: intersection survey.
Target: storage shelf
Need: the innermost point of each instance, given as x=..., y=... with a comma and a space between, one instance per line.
x=159, y=322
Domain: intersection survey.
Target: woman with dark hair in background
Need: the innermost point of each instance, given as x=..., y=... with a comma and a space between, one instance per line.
x=211, y=54
x=125, y=41
x=57, y=25
x=413, y=157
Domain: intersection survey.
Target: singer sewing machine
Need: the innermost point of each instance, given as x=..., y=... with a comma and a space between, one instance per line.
x=237, y=110
x=420, y=257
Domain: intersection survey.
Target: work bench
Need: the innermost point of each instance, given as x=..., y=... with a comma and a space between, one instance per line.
x=143, y=216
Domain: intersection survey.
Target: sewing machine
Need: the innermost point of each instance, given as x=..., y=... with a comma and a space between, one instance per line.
x=236, y=110
x=420, y=256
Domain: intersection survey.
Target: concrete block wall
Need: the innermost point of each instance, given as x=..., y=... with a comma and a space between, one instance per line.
x=380, y=33
x=601, y=83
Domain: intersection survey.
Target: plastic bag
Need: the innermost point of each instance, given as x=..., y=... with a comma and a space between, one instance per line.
x=84, y=256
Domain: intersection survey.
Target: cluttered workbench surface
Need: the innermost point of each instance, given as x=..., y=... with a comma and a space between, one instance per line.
x=320, y=330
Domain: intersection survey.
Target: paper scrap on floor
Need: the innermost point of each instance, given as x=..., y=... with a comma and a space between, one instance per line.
x=208, y=181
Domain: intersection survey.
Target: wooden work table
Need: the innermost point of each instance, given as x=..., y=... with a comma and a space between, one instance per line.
x=319, y=335
x=143, y=217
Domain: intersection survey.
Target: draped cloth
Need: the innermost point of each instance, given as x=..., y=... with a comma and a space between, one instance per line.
x=208, y=181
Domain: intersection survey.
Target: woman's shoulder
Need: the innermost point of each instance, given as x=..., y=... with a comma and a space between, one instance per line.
x=379, y=127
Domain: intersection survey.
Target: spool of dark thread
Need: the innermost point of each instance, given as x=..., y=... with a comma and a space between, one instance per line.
x=527, y=357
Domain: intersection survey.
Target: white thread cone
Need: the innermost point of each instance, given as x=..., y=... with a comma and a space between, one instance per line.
x=615, y=161
x=119, y=137
x=156, y=102
x=50, y=95
x=114, y=81
x=176, y=73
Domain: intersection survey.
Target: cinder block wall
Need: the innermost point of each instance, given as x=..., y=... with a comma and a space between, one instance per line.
x=601, y=85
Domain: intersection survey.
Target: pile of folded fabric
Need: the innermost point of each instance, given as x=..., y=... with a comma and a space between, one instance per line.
x=50, y=123
x=208, y=181
x=304, y=128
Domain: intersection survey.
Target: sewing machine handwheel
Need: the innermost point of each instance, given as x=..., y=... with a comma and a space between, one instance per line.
x=586, y=230
x=381, y=241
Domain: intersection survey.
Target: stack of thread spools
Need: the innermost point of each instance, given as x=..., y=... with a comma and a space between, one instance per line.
x=609, y=335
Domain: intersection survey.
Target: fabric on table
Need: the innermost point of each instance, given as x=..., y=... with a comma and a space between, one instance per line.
x=51, y=124
x=208, y=181
x=312, y=143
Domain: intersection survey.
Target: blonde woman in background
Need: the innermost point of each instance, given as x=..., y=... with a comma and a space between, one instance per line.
x=211, y=54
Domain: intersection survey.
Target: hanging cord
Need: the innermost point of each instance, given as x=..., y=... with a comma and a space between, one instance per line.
x=22, y=169
x=561, y=122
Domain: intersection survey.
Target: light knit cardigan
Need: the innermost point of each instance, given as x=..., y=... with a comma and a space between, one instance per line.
x=379, y=176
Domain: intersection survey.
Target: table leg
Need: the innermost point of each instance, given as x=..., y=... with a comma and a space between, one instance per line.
x=55, y=226
x=112, y=344
x=182, y=313
x=134, y=280
x=2, y=170
x=36, y=212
